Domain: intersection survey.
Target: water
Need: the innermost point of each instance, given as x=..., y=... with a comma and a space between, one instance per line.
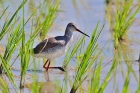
x=86, y=17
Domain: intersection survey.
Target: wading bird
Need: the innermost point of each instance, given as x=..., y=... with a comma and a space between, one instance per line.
x=54, y=47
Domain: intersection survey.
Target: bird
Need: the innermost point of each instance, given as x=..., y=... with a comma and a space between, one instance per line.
x=55, y=47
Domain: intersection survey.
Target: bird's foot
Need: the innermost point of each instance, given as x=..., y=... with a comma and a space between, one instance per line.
x=60, y=68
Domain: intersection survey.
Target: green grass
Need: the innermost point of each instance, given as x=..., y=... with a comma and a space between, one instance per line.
x=126, y=83
x=14, y=39
x=48, y=11
x=3, y=85
x=17, y=38
x=124, y=18
x=107, y=78
x=25, y=50
x=95, y=79
x=89, y=65
x=6, y=26
x=70, y=55
x=85, y=66
x=125, y=13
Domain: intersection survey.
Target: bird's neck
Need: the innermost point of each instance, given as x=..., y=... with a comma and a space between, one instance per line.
x=68, y=33
x=68, y=36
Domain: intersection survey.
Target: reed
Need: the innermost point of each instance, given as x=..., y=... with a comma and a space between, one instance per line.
x=48, y=11
x=70, y=54
x=124, y=14
x=86, y=64
x=27, y=44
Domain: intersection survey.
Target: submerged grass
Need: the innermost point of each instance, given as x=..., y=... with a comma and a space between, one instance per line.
x=26, y=48
x=86, y=64
x=13, y=42
x=123, y=21
x=14, y=37
x=124, y=14
x=17, y=36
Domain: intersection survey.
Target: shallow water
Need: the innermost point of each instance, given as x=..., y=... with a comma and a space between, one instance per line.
x=86, y=17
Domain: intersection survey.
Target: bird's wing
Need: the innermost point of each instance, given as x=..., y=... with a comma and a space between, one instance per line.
x=48, y=44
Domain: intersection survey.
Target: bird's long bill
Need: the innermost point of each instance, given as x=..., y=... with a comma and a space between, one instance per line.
x=82, y=32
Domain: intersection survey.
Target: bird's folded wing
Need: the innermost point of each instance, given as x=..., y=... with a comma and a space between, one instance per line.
x=48, y=44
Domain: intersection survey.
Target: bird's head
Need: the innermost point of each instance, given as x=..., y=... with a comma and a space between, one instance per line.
x=72, y=27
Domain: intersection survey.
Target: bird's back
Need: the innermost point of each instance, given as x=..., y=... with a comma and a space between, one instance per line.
x=52, y=47
x=48, y=44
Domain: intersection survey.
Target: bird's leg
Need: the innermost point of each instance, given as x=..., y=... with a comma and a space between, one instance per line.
x=44, y=66
x=46, y=74
x=48, y=66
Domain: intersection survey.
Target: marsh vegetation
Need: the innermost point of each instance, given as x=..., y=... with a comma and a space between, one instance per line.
x=107, y=62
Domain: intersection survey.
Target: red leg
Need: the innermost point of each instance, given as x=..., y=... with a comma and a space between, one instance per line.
x=48, y=66
x=44, y=66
